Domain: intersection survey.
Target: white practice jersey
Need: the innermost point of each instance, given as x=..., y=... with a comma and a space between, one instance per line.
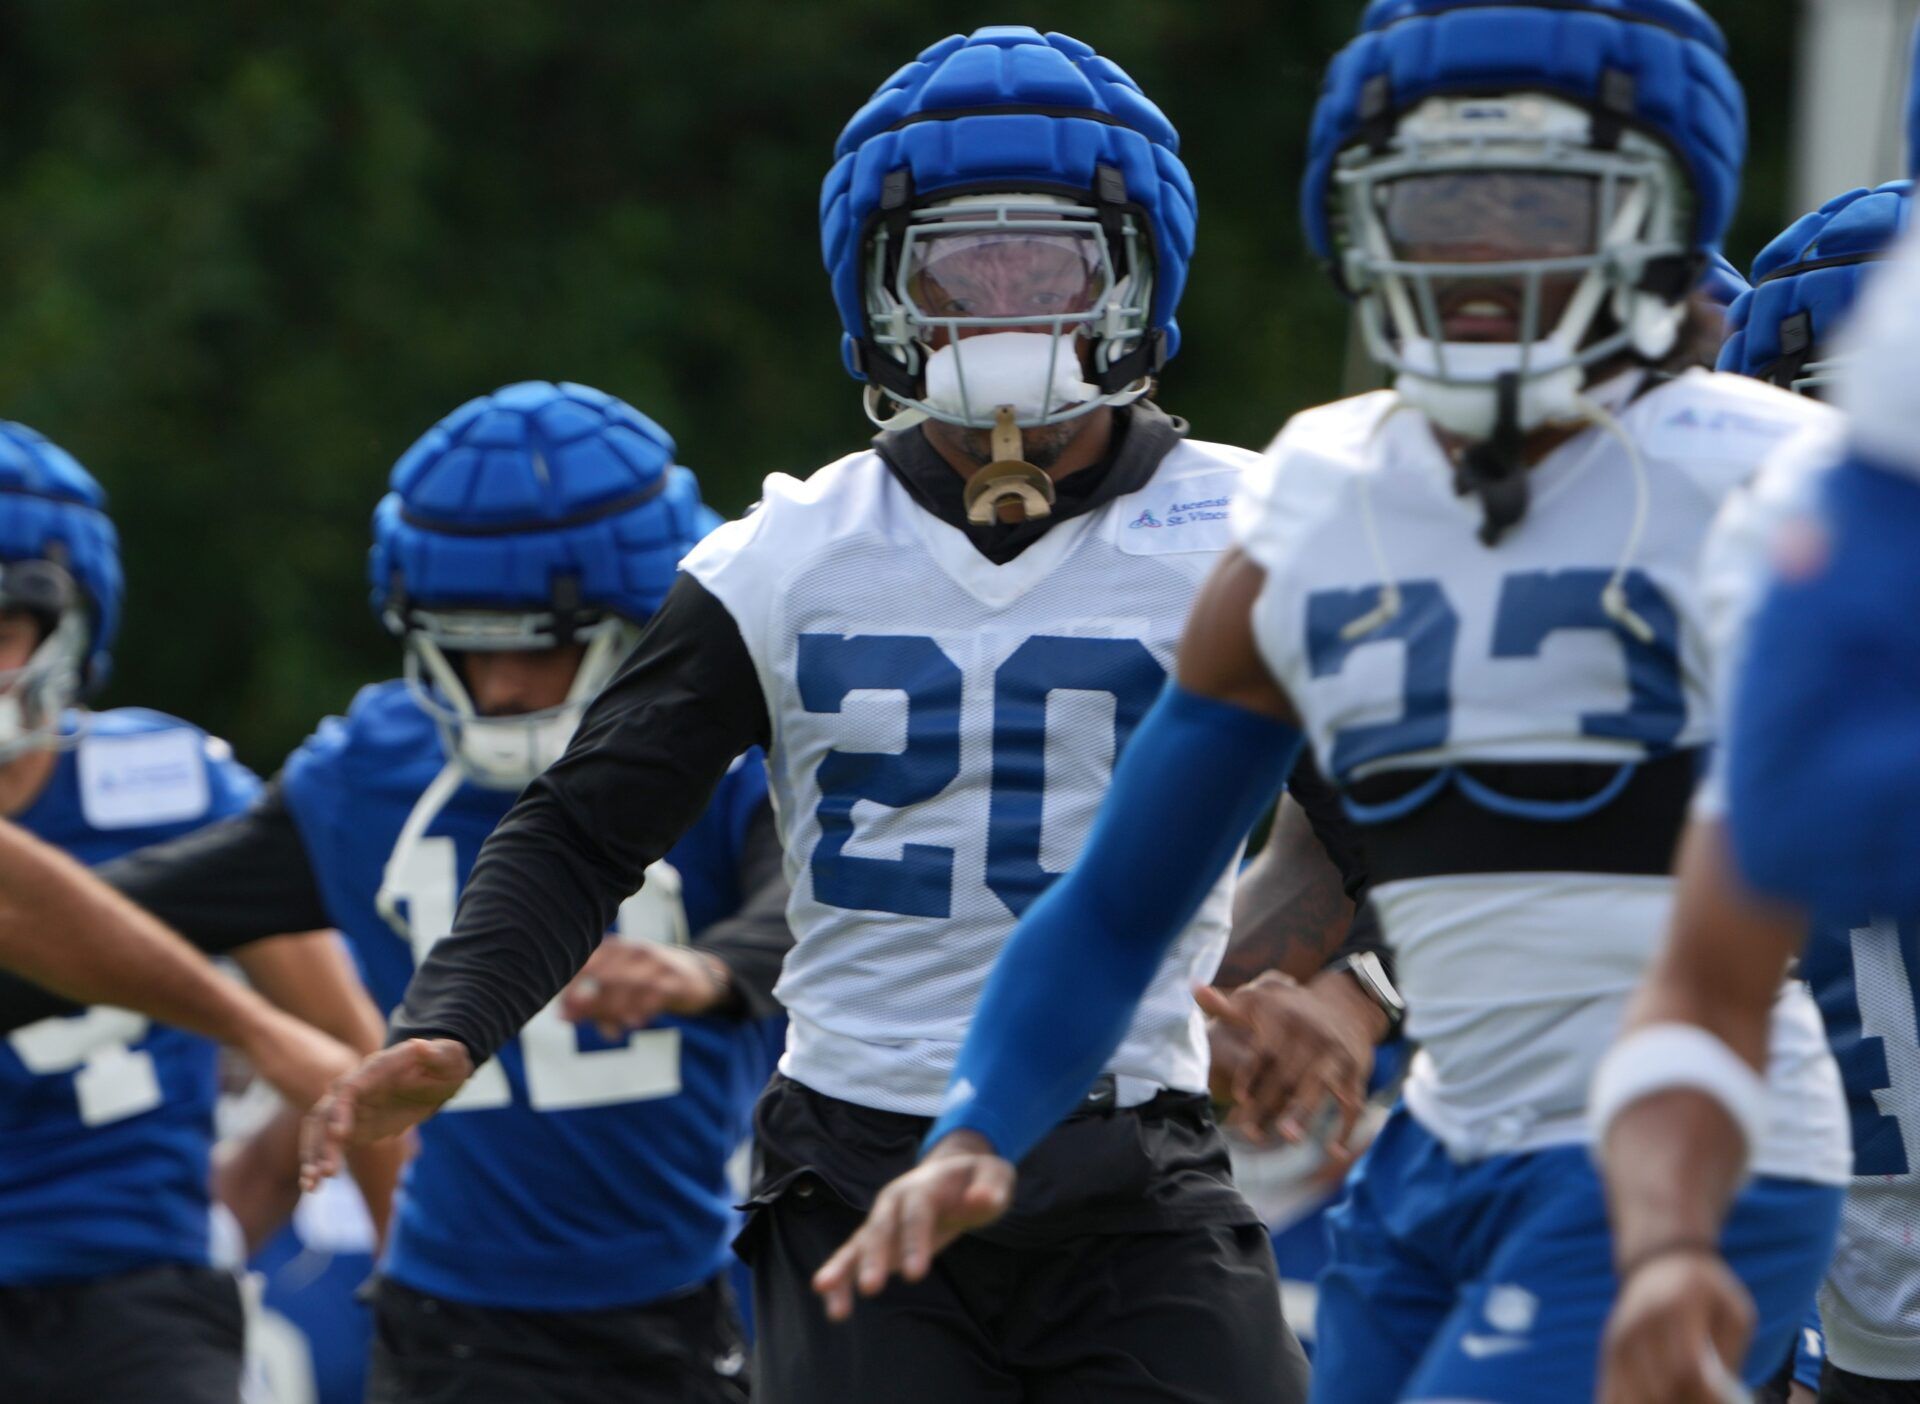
x=1516, y=981
x=1864, y=974
x=944, y=730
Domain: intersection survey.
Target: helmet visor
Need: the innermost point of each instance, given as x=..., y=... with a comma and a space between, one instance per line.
x=1019, y=274
x=1491, y=216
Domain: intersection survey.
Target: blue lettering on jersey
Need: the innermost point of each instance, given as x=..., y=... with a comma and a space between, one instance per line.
x=106, y=1118
x=1533, y=605
x=572, y=1173
x=1863, y=980
x=920, y=881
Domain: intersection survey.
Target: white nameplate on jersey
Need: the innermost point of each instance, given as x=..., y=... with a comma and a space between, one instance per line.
x=1189, y=514
x=129, y=782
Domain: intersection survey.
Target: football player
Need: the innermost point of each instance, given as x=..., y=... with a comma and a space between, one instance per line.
x=1476, y=593
x=1715, y=975
x=109, y=1292
x=945, y=639
x=563, y=1232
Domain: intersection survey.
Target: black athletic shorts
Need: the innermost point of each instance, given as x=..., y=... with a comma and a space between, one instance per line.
x=173, y=1333
x=1839, y=1387
x=428, y=1350
x=1130, y=1271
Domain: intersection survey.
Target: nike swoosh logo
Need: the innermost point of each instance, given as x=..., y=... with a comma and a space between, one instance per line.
x=1480, y=1347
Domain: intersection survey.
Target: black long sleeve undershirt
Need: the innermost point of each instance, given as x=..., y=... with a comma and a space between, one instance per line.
x=548, y=882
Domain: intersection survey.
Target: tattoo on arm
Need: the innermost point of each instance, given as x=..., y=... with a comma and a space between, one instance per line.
x=1291, y=911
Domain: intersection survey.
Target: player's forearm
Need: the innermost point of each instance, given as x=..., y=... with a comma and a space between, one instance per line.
x=310, y=975
x=62, y=928
x=257, y=1177
x=1353, y=1005
x=1065, y=989
x=1290, y=907
x=1672, y=1164
x=552, y=876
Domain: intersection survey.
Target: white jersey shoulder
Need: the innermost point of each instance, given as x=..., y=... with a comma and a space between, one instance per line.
x=1719, y=428
x=1304, y=476
x=741, y=562
x=944, y=731
x=1741, y=547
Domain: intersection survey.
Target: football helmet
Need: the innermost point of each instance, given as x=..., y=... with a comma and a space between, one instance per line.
x=537, y=516
x=1516, y=192
x=1007, y=224
x=1806, y=282
x=59, y=562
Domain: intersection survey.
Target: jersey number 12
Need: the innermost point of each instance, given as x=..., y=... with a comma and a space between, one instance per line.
x=561, y=1076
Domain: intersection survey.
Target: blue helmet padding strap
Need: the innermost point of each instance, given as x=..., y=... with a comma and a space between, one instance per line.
x=1814, y=265
x=584, y=517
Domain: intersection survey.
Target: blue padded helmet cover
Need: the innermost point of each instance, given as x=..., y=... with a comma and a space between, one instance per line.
x=52, y=509
x=536, y=484
x=1721, y=281
x=1007, y=107
x=1806, y=280
x=1659, y=65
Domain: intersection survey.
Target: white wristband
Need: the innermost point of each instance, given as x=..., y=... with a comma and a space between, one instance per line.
x=1663, y=1057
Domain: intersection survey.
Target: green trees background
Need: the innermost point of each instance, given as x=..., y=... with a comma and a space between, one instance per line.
x=250, y=250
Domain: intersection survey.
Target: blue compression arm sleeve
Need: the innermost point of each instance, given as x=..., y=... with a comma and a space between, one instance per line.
x=1823, y=763
x=1193, y=780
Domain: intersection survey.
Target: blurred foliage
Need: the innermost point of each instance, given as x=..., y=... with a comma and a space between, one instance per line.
x=249, y=251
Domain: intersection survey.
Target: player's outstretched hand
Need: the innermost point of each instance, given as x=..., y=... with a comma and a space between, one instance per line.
x=1678, y=1321
x=961, y=1185
x=1283, y=1051
x=390, y=1091
x=626, y=985
x=297, y=1060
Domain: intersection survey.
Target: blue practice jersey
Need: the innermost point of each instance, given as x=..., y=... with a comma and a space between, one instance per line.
x=572, y=1172
x=106, y=1119
x=310, y=1338
x=1865, y=980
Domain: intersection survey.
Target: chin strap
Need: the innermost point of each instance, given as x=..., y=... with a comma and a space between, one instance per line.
x=1387, y=608
x=1495, y=470
x=425, y=810
x=1613, y=597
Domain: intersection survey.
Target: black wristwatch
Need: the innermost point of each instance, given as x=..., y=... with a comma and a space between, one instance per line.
x=1370, y=974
